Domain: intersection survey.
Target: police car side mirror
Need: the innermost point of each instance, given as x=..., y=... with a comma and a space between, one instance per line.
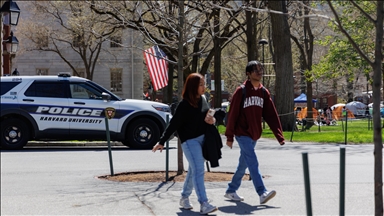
x=106, y=97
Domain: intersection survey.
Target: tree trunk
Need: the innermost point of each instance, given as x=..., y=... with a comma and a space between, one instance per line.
x=309, y=117
x=283, y=65
x=217, y=59
x=308, y=49
x=180, y=79
x=168, y=91
x=251, y=17
x=377, y=130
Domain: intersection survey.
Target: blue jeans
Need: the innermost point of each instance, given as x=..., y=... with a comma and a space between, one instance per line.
x=192, y=149
x=248, y=159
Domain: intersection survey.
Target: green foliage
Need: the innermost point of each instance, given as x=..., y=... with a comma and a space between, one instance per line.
x=221, y=129
x=357, y=133
x=342, y=58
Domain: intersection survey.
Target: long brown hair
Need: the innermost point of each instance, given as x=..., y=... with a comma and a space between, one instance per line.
x=190, y=90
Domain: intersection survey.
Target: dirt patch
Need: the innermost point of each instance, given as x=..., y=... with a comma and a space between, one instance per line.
x=159, y=176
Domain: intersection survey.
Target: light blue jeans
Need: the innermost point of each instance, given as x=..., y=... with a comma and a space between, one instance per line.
x=193, y=151
x=247, y=159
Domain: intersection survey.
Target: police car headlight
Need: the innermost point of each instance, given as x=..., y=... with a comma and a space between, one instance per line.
x=162, y=108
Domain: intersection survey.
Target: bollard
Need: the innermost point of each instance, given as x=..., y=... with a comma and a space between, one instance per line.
x=346, y=128
x=207, y=165
x=294, y=125
x=342, y=181
x=109, y=146
x=167, y=155
x=307, y=184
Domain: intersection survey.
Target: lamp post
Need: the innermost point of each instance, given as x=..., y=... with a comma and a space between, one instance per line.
x=11, y=44
x=10, y=13
x=263, y=42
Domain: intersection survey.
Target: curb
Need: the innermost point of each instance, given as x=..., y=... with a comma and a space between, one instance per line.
x=72, y=143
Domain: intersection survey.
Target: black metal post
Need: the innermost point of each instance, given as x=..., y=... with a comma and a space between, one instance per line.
x=307, y=184
x=167, y=155
x=342, y=182
x=109, y=146
x=346, y=122
x=319, y=120
x=294, y=124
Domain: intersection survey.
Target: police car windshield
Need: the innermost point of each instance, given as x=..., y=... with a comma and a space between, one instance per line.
x=102, y=89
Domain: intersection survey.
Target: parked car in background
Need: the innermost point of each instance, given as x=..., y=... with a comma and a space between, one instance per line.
x=65, y=107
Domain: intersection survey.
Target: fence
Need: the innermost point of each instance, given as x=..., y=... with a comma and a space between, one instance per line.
x=337, y=130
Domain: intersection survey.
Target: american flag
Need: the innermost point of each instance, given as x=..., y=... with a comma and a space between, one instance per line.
x=157, y=67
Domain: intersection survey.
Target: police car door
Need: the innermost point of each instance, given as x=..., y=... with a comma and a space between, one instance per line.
x=88, y=117
x=46, y=101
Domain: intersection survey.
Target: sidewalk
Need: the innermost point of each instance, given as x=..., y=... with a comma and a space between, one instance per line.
x=70, y=190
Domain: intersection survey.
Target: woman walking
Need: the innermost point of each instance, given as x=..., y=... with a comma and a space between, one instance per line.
x=190, y=121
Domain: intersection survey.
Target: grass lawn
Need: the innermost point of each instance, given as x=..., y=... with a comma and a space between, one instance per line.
x=357, y=133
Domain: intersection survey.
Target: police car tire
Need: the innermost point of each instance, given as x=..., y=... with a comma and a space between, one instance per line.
x=20, y=131
x=136, y=132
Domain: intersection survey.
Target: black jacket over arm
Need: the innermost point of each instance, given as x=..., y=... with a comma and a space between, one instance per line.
x=212, y=146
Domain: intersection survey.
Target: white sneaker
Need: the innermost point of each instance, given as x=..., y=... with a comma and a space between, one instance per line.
x=233, y=196
x=206, y=208
x=184, y=202
x=266, y=196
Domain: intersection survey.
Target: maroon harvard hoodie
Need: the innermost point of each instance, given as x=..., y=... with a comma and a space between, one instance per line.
x=246, y=120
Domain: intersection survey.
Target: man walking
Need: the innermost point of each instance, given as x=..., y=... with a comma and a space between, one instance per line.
x=250, y=102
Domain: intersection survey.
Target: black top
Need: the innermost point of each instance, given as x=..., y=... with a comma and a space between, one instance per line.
x=188, y=121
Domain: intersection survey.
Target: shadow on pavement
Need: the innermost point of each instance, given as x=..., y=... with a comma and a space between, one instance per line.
x=241, y=208
x=71, y=148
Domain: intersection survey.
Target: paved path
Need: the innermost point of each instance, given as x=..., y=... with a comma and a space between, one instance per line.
x=49, y=181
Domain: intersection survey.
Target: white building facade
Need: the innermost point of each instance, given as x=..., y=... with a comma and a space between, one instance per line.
x=119, y=66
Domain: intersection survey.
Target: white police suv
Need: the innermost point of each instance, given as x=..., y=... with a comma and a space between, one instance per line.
x=65, y=107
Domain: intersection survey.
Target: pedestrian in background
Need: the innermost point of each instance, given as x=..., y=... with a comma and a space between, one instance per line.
x=190, y=121
x=244, y=122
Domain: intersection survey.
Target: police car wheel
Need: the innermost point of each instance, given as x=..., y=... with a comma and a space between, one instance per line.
x=14, y=134
x=142, y=134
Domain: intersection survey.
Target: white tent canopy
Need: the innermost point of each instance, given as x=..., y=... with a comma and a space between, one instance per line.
x=371, y=105
x=356, y=107
x=371, y=92
x=337, y=105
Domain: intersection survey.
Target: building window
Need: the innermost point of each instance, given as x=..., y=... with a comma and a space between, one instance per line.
x=42, y=71
x=116, y=80
x=116, y=41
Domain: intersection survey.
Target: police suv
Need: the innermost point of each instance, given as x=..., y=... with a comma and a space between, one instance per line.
x=66, y=107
